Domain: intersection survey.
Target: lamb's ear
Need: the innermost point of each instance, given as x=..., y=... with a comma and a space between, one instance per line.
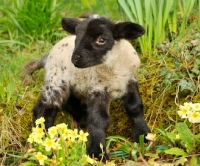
x=127, y=30
x=69, y=24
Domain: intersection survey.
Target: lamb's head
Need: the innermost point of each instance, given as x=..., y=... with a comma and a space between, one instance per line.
x=95, y=36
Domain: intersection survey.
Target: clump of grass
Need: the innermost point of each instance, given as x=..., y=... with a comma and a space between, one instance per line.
x=11, y=140
x=34, y=19
x=159, y=18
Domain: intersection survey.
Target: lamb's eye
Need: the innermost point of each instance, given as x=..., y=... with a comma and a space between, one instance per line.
x=100, y=41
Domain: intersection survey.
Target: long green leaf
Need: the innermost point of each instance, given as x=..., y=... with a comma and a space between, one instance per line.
x=186, y=135
x=139, y=10
x=126, y=9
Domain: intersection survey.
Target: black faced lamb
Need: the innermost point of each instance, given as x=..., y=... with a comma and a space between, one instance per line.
x=86, y=71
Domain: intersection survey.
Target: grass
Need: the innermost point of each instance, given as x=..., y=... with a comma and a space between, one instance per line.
x=166, y=18
x=167, y=78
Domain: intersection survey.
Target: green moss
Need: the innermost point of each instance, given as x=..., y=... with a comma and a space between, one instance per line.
x=63, y=117
x=119, y=121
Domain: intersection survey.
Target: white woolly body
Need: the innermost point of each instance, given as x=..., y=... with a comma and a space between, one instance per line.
x=112, y=76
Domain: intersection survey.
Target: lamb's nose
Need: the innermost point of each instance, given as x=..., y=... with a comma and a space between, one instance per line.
x=76, y=58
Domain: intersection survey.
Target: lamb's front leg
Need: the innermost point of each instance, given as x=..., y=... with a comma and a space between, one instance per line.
x=54, y=93
x=46, y=110
x=98, y=121
x=134, y=107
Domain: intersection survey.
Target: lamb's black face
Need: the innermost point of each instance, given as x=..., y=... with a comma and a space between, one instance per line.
x=96, y=36
x=94, y=39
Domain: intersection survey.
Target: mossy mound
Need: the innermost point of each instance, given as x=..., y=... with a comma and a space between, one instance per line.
x=119, y=121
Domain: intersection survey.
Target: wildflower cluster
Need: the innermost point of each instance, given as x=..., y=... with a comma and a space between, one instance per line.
x=191, y=111
x=58, y=146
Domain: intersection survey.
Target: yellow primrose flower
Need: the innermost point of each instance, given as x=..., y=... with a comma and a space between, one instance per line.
x=66, y=135
x=49, y=143
x=61, y=126
x=53, y=161
x=31, y=150
x=195, y=106
x=57, y=145
x=41, y=158
x=40, y=121
x=184, y=110
x=69, y=143
x=110, y=164
x=62, y=129
x=83, y=136
x=39, y=131
x=38, y=138
x=194, y=117
x=89, y=160
x=150, y=136
x=177, y=136
x=186, y=104
x=30, y=138
x=52, y=131
x=74, y=134
x=65, y=130
x=34, y=130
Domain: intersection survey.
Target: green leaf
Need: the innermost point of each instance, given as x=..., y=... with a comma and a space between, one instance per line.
x=126, y=9
x=153, y=155
x=181, y=161
x=82, y=161
x=29, y=163
x=193, y=161
x=10, y=89
x=141, y=142
x=119, y=153
x=186, y=85
x=197, y=136
x=176, y=152
x=171, y=136
x=164, y=133
x=162, y=148
x=185, y=135
x=61, y=153
x=195, y=71
x=125, y=149
x=120, y=140
x=2, y=91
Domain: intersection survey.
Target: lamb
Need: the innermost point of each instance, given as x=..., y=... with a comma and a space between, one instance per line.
x=89, y=69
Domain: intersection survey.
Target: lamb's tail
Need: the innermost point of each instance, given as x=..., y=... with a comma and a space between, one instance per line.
x=31, y=67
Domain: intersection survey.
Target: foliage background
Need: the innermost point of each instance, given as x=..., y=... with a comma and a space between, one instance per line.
x=169, y=73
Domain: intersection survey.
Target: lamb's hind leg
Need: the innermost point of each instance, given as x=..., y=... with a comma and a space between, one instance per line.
x=52, y=97
x=134, y=107
x=77, y=109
